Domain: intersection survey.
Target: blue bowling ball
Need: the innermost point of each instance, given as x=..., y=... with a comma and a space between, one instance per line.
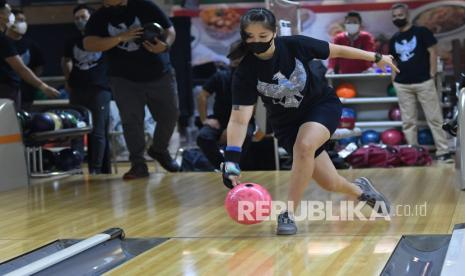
x=42, y=122
x=370, y=137
x=425, y=137
x=348, y=113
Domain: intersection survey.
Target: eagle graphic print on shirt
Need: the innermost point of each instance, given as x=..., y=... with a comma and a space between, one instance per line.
x=287, y=92
x=406, y=49
x=129, y=46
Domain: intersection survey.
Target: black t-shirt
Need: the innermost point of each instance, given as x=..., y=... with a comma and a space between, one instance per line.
x=129, y=60
x=284, y=82
x=220, y=85
x=32, y=57
x=410, y=49
x=89, y=68
x=29, y=52
x=7, y=49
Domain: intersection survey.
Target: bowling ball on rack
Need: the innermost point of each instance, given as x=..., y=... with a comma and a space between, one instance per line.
x=346, y=90
x=395, y=114
x=56, y=120
x=425, y=137
x=391, y=91
x=347, y=119
x=370, y=137
x=392, y=137
x=68, y=159
x=68, y=119
x=42, y=122
x=25, y=119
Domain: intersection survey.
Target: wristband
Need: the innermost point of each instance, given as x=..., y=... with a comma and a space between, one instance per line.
x=378, y=57
x=233, y=148
x=232, y=154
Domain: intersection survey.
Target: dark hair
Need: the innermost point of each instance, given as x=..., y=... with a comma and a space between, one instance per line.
x=255, y=15
x=399, y=6
x=82, y=7
x=16, y=11
x=354, y=14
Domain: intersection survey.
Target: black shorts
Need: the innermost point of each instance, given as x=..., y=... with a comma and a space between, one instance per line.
x=326, y=112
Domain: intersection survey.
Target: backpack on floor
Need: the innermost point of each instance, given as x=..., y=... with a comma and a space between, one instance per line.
x=375, y=156
x=414, y=155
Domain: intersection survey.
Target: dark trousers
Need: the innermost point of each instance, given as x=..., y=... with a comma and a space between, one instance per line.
x=11, y=92
x=160, y=96
x=208, y=139
x=97, y=100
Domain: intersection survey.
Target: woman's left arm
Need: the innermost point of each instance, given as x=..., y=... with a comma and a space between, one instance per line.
x=340, y=51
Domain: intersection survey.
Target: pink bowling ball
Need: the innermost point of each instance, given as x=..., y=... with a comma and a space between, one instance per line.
x=248, y=203
x=392, y=137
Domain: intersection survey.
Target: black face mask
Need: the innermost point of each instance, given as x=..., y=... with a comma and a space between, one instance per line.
x=259, y=47
x=400, y=22
x=116, y=11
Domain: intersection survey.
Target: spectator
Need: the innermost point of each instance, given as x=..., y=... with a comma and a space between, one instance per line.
x=12, y=67
x=30, y=53
x=213, y=133
x=140, y=74
x=86, y=81
x=415, y=51
x=353, y=37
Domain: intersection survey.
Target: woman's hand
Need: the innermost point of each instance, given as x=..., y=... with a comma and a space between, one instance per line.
x=387, y=61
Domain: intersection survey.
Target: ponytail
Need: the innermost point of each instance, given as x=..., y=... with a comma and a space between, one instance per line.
x=238, y=51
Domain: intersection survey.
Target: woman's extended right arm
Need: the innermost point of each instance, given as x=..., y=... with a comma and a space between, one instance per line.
x=238, y=122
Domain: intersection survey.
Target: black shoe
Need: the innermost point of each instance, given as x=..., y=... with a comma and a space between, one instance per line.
x=286, y=225
x=370, y=195
x=136, y=171
x=445, y=158
x=165, y=160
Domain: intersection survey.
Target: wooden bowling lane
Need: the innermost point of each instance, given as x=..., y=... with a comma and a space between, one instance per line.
x=191, y=205
x=188, y=208
x=311, y=255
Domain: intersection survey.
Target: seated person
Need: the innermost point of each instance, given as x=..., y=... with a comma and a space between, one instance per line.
x=213, y=132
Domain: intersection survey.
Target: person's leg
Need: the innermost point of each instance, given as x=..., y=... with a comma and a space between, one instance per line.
x=408, y=109
x=130, y=99
x=310, y=137
x=429, y=101
x=78, y=97
x=163, y=105
x=207, y=140
x=303, y=146
x=327, y=177
x=100, y=108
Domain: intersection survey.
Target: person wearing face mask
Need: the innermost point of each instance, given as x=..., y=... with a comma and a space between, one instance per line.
x=12, y=68
x=214, y=126
x=302, y=109
x=140, y=75
x=353, y=37
x=30, y=53
x=86, y=80
x=415, y=52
